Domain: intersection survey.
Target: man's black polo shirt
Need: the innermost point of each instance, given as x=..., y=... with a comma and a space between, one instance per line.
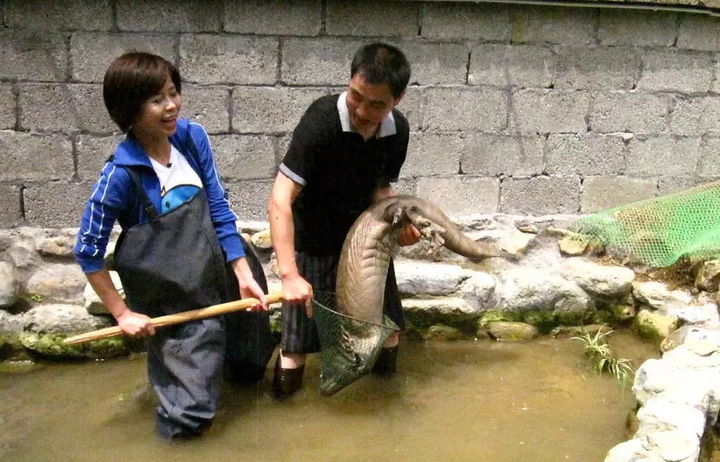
x=339, y=171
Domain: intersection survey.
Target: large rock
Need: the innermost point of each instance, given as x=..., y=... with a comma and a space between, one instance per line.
x=57, y=282
x=655, y=326
x=423, y=313
x=419, y=278
x=657, y=295
x=46, y=327
x=11, y=327
x=262, y=240
x=479, y=290
x=708, y=276
x=9, y=285
x=92, y=303
x=604, y=281
x=526, y=289
x=502, y=330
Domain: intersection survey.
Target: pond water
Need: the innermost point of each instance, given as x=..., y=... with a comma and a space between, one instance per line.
x=476, y=400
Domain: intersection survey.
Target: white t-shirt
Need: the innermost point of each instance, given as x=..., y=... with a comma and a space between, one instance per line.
x=178, y=183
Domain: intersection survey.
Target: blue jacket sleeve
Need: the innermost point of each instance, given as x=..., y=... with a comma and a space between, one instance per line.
x=223, y=218
x=99, y=217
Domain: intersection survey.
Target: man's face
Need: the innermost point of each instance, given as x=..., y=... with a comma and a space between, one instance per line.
x=368, y=103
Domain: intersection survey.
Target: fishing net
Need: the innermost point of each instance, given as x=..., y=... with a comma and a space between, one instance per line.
x=349, y=346
x=658, y=232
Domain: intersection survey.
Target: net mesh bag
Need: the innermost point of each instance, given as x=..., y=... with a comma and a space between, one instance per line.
x=658, y=232
x=349, y=347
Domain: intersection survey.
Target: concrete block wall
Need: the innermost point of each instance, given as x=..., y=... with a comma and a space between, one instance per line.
x=513, y=108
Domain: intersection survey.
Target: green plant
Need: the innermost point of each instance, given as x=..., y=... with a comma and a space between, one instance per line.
x=597, y=350
x=37, y=298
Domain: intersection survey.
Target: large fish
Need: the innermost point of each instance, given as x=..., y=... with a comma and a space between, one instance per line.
x=369, y=245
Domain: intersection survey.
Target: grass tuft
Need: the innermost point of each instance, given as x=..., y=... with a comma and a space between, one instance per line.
x=597, y=350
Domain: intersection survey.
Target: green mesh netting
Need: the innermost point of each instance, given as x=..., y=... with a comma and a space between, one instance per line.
x=658, y=232
x=349, y=346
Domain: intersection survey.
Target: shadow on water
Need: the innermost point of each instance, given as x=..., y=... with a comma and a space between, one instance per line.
x=536, y=401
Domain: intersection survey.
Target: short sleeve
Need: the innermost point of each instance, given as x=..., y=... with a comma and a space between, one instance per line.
x=307, y=141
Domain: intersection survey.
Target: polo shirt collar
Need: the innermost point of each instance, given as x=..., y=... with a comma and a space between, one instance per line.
x=387, y=126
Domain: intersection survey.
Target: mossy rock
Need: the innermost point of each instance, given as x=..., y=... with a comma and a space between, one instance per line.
x=51, y=345
x=500, y=316
x=544, y=320
x=11, y=347
x=443, y=333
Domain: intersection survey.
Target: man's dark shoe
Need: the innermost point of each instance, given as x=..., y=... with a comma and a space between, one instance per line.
x=286, y=381
x=386, y=363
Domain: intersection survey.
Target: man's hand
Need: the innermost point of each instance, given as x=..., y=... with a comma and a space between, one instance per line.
x=409, y=235
x=295, y=289
x=135, y=324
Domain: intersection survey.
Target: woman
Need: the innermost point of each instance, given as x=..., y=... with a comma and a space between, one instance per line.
x=179, y=248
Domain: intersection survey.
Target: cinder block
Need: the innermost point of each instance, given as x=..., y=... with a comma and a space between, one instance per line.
x=662, y=155
x=480, y=109
x=273, y=17
x=92, y=153
x=556, y=25
x=244, y=157
x=512, y=65
x=699, y=32
x=7, y=106
x=548, y=111
x=587, y=154
x=321, y=61
x=494, y=155
x=597, y=68
x=43, y=209
x=695, y=116
x=27, y=55
x=673, y=184
x=405, y=186
x=709, y=165
x=542, y=195
x=230, y=59
x=91, y=53
x=25, y=156
x=466, y=21
x=376, y=18
x=433, y=154
x=59, y=15
x=64, y=107
x=249, y=199
x=411, y=106
x=10, y=212
x=682, y=71
x=601, y=193
x=270, y=109
x=435, y=63
x=208, y=106
x=621, y=28
x=169, y=15
x=640, y=113
x=459, y=195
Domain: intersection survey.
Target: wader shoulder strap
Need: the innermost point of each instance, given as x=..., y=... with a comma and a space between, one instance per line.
x=147, y=205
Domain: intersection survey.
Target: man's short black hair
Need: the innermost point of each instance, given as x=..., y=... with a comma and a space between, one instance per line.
x=131, y=80
x=381, y=63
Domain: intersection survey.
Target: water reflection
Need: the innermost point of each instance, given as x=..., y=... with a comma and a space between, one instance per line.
x=536, y=401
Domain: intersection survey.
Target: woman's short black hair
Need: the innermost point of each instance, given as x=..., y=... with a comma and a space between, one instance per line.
x=132, y=79
x=381, y=63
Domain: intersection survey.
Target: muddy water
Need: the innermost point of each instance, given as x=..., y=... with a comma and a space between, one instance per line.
x=469, y=401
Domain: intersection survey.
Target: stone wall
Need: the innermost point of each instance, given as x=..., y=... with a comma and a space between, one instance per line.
x=514, y=108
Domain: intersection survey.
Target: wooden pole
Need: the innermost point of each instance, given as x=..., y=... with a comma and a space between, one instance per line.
x=210, y=311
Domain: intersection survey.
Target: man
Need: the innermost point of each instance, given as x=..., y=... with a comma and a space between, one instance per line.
x=344, y=153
